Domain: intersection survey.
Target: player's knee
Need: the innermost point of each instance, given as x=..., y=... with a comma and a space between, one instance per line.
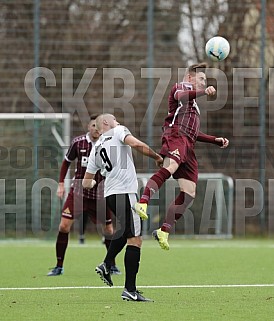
x=135, y=241
x=64, y=229
x=188, y=187
x=65, y=226
x=192, y=194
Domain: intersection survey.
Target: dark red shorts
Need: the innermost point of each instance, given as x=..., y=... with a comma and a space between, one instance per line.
x=75, y=205
x=181, y=149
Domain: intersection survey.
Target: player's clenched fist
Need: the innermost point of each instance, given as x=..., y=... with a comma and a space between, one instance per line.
x=210, y=91
x=222, y=142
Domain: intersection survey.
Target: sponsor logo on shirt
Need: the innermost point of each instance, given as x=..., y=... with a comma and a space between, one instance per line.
x=84, y=161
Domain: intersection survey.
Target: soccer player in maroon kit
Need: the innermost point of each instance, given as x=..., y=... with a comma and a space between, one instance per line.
x=81, y=201
x=181, y=131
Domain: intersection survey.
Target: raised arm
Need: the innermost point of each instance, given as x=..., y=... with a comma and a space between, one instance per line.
x=188, y=95
x=143, y=148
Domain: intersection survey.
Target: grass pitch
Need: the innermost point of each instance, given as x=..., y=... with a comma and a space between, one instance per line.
x=197, y=280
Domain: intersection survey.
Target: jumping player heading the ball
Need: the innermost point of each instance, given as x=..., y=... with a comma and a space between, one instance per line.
x=181, y=131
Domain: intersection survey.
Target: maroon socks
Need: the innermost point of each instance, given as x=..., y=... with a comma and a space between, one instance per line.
x=176, y=210
x=61, y=246
x=154, y=184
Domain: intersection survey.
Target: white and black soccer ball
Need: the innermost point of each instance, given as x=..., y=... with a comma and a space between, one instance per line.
x=217, y=48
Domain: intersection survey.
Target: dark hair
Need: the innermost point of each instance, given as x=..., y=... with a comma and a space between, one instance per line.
x=93, y=116
x=197, y=67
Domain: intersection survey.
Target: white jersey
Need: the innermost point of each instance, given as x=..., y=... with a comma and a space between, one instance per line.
x=114, y=158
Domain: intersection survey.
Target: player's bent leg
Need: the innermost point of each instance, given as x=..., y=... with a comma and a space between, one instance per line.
x=187, y=186
x=154, y=184
x=107, y=231
x=162, y=238
x=175, y=211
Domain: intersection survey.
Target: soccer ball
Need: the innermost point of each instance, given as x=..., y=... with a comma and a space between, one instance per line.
x=217, y=48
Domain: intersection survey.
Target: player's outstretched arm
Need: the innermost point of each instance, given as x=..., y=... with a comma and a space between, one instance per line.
x=143, y=148
x=187, y=95
x=220, y=141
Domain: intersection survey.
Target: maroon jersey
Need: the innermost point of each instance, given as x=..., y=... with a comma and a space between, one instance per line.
x=80, y=148
x=183, y=111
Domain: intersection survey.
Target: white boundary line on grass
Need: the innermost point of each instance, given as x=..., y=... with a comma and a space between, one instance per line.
x=176, y=244
x=206, y=286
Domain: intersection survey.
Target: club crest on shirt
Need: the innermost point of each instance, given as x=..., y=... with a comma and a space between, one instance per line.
x=175, y=153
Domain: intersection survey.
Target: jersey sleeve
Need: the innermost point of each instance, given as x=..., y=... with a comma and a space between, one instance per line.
x=122, y=132
x=202, y=137
x=92, y=168
x=64, y=170
x=188, y=95
x=71, y=154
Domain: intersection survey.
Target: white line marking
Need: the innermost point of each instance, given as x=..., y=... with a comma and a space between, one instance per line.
x=205, y=286
x=176, y=244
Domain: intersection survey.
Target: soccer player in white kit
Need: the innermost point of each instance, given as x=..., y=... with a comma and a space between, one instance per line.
x=113, y=156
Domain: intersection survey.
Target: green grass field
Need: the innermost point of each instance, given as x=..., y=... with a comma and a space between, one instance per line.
x=196, y=280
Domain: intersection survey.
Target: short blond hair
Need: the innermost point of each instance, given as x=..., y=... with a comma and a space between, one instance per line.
x=100, y=119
